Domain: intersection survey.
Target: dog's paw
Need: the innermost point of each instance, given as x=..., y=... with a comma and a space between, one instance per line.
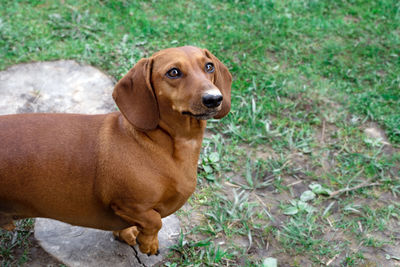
x=127, y=235
x=8, y=227
x=148, y=244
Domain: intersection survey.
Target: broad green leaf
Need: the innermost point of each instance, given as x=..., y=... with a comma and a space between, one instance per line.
x=307, y=195
x=301, y=205
x=214, y=157
x=270, y=262
x=290, y=210
x=207, y=168
x=210, y=177
x=319, y=190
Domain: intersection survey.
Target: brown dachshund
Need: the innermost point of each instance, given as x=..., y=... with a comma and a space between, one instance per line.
x=121, y=171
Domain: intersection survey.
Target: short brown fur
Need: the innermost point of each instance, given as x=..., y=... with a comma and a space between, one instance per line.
x=122, y=171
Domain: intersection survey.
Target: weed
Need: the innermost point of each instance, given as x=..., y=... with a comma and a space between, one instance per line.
x=199, y=253
x=18, y=240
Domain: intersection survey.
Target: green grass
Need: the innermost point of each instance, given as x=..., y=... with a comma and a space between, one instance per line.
x=309, y=77
x=15, y=246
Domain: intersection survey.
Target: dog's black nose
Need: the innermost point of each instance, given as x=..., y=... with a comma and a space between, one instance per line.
x=212, y=101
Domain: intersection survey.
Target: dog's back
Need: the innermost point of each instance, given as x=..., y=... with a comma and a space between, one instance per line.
x=53, y=157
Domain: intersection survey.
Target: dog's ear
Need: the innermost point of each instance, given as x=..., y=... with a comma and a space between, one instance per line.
x=135, y=97
x=223, y=80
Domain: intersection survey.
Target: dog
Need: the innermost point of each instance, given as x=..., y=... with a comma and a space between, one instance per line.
x=122, y=171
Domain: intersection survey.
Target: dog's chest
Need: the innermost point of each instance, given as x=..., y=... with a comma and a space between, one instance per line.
x=182, y=177
x=176, y=197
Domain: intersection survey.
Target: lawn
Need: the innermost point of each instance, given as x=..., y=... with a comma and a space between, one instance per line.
x=293, y=172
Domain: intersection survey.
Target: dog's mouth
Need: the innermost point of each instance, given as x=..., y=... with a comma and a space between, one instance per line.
x=201, y=116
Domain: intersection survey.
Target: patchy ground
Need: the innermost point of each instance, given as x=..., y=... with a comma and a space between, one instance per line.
x=258, y=212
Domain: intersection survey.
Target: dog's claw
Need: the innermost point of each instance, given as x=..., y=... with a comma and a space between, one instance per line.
x=156, y=254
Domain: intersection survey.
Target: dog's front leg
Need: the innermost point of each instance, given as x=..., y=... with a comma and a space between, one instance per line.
x=128, y=235
x=148, y=224
x=6, y=222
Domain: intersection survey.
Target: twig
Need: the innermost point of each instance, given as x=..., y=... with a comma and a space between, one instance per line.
x=331, y=260
x=348, y=189
x=323, y=131
x=330, y=223
x=232, y=185
x=389, y=257
x=360, y=226
x=265, y=207
x=294, y=183
x=261, y=201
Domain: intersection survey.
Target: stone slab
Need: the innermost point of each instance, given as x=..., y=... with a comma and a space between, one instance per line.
x=80, y=247
x=55, y=86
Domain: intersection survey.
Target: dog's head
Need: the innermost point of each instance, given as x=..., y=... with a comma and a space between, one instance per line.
x=184, y=81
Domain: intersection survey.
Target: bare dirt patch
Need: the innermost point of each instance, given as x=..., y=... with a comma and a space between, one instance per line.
x=39, y=257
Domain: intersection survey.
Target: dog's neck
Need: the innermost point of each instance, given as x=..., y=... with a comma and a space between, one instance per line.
x=180, y=136
x=185, y=134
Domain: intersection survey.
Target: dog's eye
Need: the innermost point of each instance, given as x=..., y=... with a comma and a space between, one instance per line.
x=174, y=73
x=209, y=67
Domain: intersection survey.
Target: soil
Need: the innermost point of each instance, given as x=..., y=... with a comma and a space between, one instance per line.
x=38, y=256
